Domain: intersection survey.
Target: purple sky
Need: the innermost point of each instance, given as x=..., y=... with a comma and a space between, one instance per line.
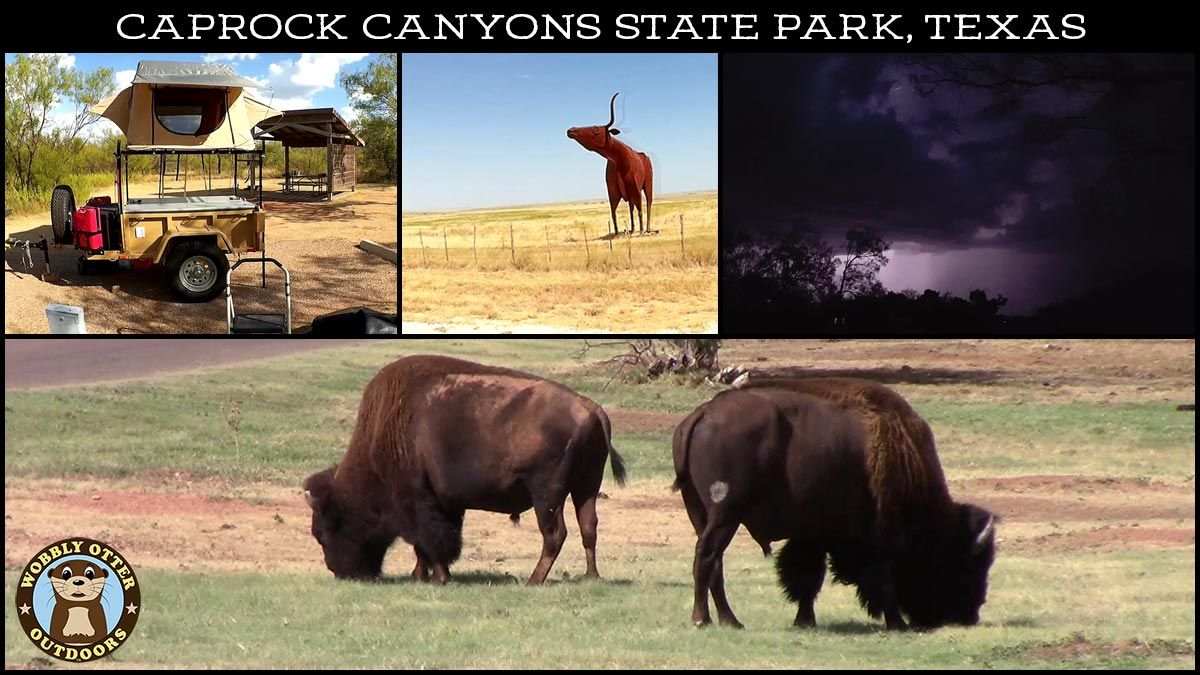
x=1038, y=177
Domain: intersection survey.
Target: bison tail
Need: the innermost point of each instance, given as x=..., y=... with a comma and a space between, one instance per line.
x=680, y=443
x=618, y=465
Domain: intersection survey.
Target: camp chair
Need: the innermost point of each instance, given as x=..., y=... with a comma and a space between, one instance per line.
x=278, y=324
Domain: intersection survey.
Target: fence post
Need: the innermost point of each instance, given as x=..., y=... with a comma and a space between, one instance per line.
x=474, y=237
x=446, y=244
x=586, y=250
x=512, y=245
x=629, y=249
x=547, y=231
x=681, y=254
x=422, y=237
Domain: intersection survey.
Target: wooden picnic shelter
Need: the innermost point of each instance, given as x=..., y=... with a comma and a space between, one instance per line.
x=315, y=128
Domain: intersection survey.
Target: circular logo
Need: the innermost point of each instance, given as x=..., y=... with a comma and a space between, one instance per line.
x=78, y=600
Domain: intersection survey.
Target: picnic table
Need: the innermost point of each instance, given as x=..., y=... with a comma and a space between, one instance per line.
x=294, y=181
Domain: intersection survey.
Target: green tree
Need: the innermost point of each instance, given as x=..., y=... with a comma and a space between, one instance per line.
x=34, y=85
x=373, y=95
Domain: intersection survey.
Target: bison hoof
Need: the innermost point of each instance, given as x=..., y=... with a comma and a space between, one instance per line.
x=702, y=623
x=732, y=623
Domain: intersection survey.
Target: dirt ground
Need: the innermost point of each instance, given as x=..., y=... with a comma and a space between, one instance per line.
x=178, y=522
x=315, y=240
x=1058, y=370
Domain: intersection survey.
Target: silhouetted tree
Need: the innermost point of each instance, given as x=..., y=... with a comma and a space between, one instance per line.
x=864, y=259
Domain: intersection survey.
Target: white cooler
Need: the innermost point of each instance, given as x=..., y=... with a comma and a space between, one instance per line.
x=65, y=319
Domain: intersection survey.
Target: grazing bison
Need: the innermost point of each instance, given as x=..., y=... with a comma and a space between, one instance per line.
x=436, y=436
x=628, y=173
x=841, y=468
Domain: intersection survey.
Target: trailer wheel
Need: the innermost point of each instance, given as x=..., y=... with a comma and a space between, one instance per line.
x=196, y=271
x=62, y=205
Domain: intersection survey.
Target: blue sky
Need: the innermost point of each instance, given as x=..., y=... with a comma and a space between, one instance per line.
x=294, y=80
x=484, y=130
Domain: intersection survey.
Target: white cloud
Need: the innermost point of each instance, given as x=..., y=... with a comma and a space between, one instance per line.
x=241, y=56
x=349, y=114
x=62, y=60
x=308, y=74
x=123, y=78
x=294, y=82
x=288, y=102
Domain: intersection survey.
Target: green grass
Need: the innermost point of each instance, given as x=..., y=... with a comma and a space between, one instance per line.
x=290, y=424
x=639, y=617
x=1076, y=438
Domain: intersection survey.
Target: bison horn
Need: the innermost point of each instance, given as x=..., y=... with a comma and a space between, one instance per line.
x=986, y=534
x=612, y=113
x=312, y=500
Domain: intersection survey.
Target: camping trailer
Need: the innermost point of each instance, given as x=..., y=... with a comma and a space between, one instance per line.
x=174, y=110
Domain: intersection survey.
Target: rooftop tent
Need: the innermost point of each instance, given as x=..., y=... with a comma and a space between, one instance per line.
x=186, y=106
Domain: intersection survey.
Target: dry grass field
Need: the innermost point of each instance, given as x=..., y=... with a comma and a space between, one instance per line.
x=559, y=268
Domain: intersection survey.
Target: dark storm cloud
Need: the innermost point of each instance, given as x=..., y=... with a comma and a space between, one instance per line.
x=1089, y=158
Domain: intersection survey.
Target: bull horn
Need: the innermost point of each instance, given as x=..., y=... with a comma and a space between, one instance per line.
x=986, y=534
x=612, y=114
x=312, y=501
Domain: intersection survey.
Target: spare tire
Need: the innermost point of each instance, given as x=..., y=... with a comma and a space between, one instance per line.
x=62, y=206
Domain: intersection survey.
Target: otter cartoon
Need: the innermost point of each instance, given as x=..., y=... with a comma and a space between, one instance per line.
x=78, y=617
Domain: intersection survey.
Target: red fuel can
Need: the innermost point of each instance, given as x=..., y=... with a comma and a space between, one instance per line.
x=86, y=225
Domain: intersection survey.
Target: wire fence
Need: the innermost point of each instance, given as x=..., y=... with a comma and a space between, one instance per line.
x=539, y=246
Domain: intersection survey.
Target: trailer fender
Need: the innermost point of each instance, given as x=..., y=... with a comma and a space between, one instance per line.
x=168, y=240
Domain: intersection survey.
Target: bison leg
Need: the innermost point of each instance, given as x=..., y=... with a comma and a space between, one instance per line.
x=585, y=514
x=631, y=218
x=802, y=571
x=877, y=592
x=421, y=571
x=554, y=533
x=439, y=534
x=710, y=548
x=724, y=611
x=441, y=573
x=699, y=518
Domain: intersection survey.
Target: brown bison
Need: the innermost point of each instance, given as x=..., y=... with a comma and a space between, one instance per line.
x=628, y=172
x=842, y=468
x=436, y=436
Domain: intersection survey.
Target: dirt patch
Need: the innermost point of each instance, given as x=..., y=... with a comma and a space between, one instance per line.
x=1049, y=509
x=169, y=520
x=1080, y=648
x=1105, y=538
x=266, y=528
x=990, y=370
x=638, y=422
x=1073, y=484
